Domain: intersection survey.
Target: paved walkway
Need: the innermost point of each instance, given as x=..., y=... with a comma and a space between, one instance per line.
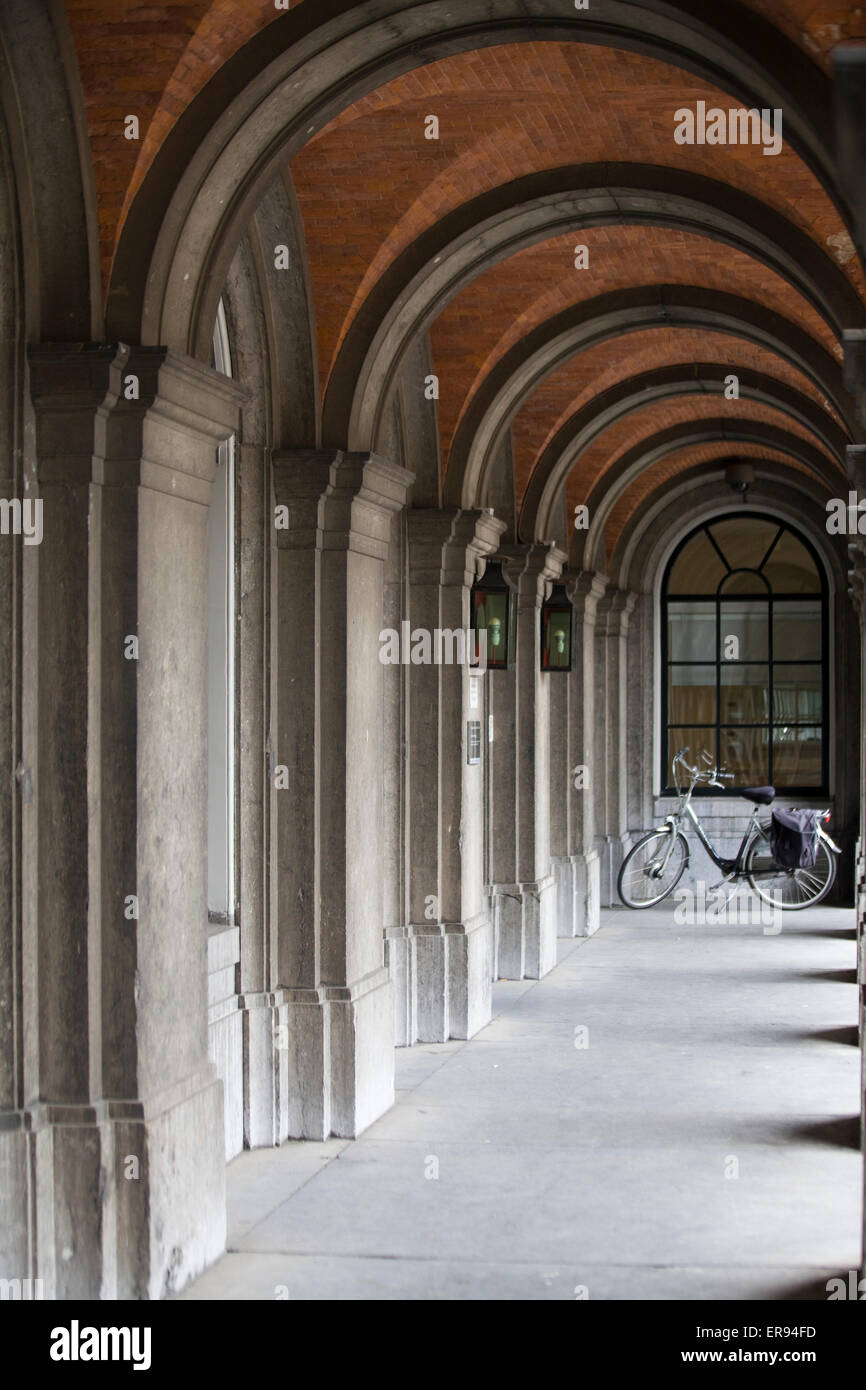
x=701, y=1145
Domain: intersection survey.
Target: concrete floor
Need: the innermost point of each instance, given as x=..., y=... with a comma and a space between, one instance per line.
x=702, y=1146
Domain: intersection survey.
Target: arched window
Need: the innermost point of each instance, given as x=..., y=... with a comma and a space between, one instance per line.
x=744, y=624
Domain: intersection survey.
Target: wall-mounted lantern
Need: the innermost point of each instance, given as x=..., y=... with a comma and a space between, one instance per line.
x=557, y=631
x=494, y=612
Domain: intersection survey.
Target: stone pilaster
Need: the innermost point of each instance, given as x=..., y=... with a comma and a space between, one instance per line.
x=522, y=885
x=849, y=86
x=559, y=743
x=584, y=733
x=611, y=760
x=442, y=960
x=336, y=1015
x=125, y=1133
x=856, y=460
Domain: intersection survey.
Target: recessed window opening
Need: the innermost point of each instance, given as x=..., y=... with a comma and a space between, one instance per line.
x=221, y=667
x=744, y=661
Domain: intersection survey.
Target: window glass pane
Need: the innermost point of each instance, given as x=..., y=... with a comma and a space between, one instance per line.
x=791, y=569
x=745, y=694
x=743, y=582
x=745, y=752
x=797, y=694
x=695, y=740
x=749, y=624
x=697, y=569
x=691, y=631
x=797, y=757
x=743, y=541
x=692, y=695
x=797, y=630
x=719, y=656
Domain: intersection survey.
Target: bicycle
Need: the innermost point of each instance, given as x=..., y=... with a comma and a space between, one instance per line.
x=661, y=856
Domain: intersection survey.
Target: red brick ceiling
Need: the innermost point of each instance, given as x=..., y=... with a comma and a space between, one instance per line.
x=369, y=183
x=147, y=60
x=505, y=112
x=589, y=373
x=648, y=420
x=152, y=59
x=641, y=490
x=501, y=306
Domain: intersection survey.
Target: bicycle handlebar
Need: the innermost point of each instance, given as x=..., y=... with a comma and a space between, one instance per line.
x=714, y=775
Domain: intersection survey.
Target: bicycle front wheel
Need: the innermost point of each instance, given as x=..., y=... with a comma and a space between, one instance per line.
x=789, y=889
x=648, y=872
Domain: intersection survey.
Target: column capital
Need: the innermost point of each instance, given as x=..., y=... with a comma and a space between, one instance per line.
x=94, y=423
x=446, y=543
x=531, y=566
x=614, y=611
x=585, y=588
x=338, y=500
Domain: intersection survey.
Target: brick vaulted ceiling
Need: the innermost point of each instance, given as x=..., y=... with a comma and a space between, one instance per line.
x=369, y=184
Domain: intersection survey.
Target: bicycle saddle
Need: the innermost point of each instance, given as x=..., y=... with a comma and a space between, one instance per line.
x=760, y=796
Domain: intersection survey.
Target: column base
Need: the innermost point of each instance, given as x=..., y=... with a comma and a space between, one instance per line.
x=126, y=1197
x=225, y=1032
x=337, y=1063
x=15, y=1146
x=586, y=871
x=524, y=919
x=171, y=1223
x=265, y=1069
x=442, y=974
x=612, y=850
x=577, y=894
x=563, y=877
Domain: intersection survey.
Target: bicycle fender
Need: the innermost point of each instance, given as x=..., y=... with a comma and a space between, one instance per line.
x=822, y=835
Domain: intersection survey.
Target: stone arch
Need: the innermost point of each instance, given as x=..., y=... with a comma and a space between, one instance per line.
x=612, y=405
x=587, y=546
x=495, y=225
x=645, y=535
x=49, y=155
x=524, y=366
x=216, y=163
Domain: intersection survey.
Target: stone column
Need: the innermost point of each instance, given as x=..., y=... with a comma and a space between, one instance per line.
x=611, y=761
x=522, y=885
x=443, y=960
x=336, y=1032
x=856, y=459
x=559, y=744
x=127, y=1130
x=849, y=85
x=584, y=764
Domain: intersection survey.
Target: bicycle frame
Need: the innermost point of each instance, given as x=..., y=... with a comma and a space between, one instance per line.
x=731, y=868
x=728, y=866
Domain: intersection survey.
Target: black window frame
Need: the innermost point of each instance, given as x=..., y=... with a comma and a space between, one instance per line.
x=667, y=751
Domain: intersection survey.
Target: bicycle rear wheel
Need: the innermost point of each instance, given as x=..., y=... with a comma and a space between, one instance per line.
x=789, y=889
x=644, y=879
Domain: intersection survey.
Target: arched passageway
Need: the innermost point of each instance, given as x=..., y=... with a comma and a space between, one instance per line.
x=496, y=330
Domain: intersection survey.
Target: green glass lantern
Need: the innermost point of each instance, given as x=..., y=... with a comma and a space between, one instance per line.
x=494, y=612
x=557, y=631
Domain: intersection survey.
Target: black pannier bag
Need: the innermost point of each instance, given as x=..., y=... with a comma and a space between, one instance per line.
x=794, y=838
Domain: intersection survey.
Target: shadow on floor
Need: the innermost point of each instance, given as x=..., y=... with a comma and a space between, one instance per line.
x=839, y=1134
